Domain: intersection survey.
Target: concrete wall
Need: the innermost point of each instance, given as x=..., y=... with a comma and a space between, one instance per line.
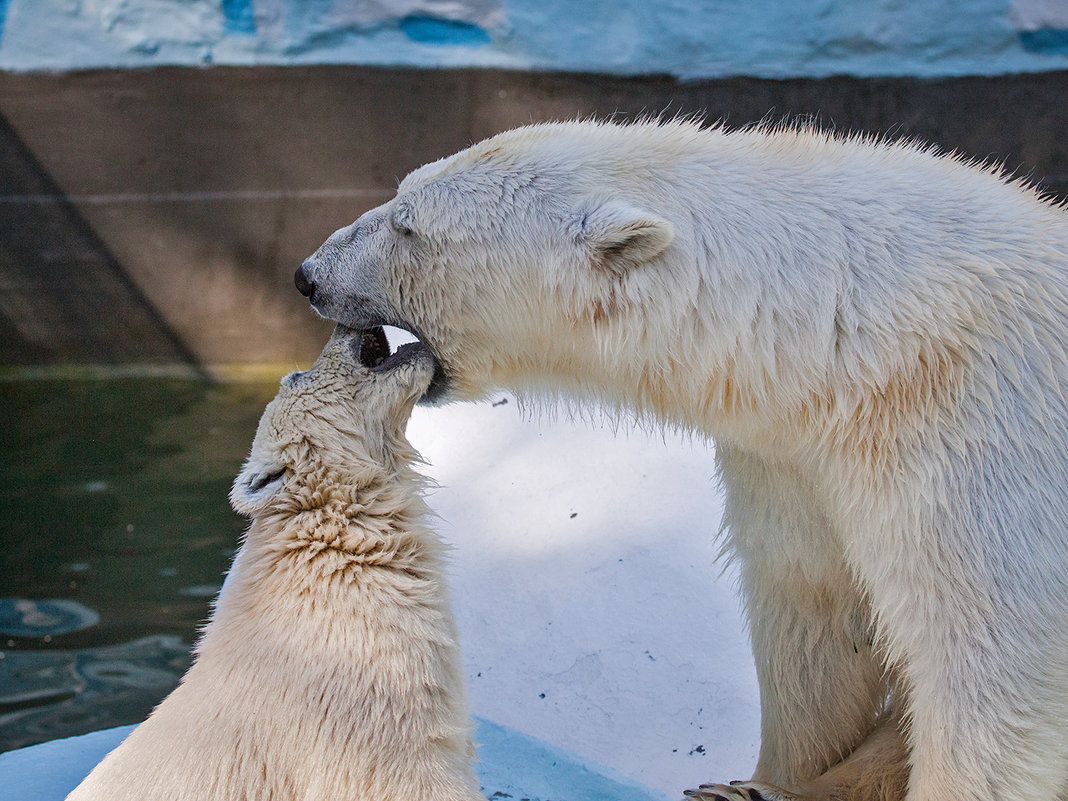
x=157, y=216
x=683, y=38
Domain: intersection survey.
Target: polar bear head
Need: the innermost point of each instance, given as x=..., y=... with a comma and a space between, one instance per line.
x=517, y=262
x=344, y=418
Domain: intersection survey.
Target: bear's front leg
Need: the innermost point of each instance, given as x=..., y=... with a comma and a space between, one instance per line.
x=821, y=687
x=980, y=648
x=877, y=771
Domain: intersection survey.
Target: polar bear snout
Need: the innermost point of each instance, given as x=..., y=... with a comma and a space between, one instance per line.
x=304, y=283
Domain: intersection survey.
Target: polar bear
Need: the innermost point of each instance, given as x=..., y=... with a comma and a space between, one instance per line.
x=330, y=668
x=873, y=335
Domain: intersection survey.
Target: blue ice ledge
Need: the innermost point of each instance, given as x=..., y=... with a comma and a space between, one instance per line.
x=511, y=766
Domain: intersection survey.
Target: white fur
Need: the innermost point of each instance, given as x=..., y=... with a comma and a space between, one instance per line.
x=873, y=333
x=330, y=668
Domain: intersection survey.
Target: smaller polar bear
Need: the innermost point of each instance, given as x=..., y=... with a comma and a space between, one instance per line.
x=330, y=669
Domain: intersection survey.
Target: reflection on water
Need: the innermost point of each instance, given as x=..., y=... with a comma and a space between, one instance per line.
x=56, y=693
x=115, y=533
x=20, y=617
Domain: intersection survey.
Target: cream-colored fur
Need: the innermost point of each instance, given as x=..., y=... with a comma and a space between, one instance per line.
x=873, y=334
x=330, y=669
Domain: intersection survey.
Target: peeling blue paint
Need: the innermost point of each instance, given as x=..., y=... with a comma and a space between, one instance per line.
x=239, y=16
x=3, y=15
x=436, y=31
x=1045, y=40
x=687, y=39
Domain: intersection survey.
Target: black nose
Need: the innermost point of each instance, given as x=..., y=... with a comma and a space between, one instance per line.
x=305, y=285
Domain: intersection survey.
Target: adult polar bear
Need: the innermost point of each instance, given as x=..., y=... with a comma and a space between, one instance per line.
x=873, y=335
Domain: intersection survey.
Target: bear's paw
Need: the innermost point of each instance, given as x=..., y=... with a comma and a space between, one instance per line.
x=741, y=791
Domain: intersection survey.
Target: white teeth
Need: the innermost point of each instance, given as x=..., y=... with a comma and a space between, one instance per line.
x=398, y=337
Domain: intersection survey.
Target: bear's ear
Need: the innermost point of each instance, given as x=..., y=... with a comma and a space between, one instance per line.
x=620, y=236
x=254, y=486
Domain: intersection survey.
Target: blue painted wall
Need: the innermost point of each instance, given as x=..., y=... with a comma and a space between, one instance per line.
x=685, y=38
x=240, y=17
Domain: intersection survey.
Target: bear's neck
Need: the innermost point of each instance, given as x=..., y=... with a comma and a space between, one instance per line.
x=335, y=618
x=838, y=409
x=328, y=534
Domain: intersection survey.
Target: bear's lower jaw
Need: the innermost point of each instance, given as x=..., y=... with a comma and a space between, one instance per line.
x=438, y=391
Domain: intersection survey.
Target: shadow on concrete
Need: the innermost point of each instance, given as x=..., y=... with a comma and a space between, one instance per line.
x=158, y=215
x=63, y=297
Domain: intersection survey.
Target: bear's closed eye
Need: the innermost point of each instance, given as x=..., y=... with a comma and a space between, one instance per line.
x=261, y=480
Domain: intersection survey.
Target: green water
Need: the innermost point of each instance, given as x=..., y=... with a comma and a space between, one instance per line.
x=113, y=500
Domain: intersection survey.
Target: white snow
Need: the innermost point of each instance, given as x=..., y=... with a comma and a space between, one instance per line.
x=593, y=612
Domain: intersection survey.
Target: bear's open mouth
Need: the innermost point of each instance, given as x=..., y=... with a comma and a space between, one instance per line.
x=378, y=355
x=374, y=347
